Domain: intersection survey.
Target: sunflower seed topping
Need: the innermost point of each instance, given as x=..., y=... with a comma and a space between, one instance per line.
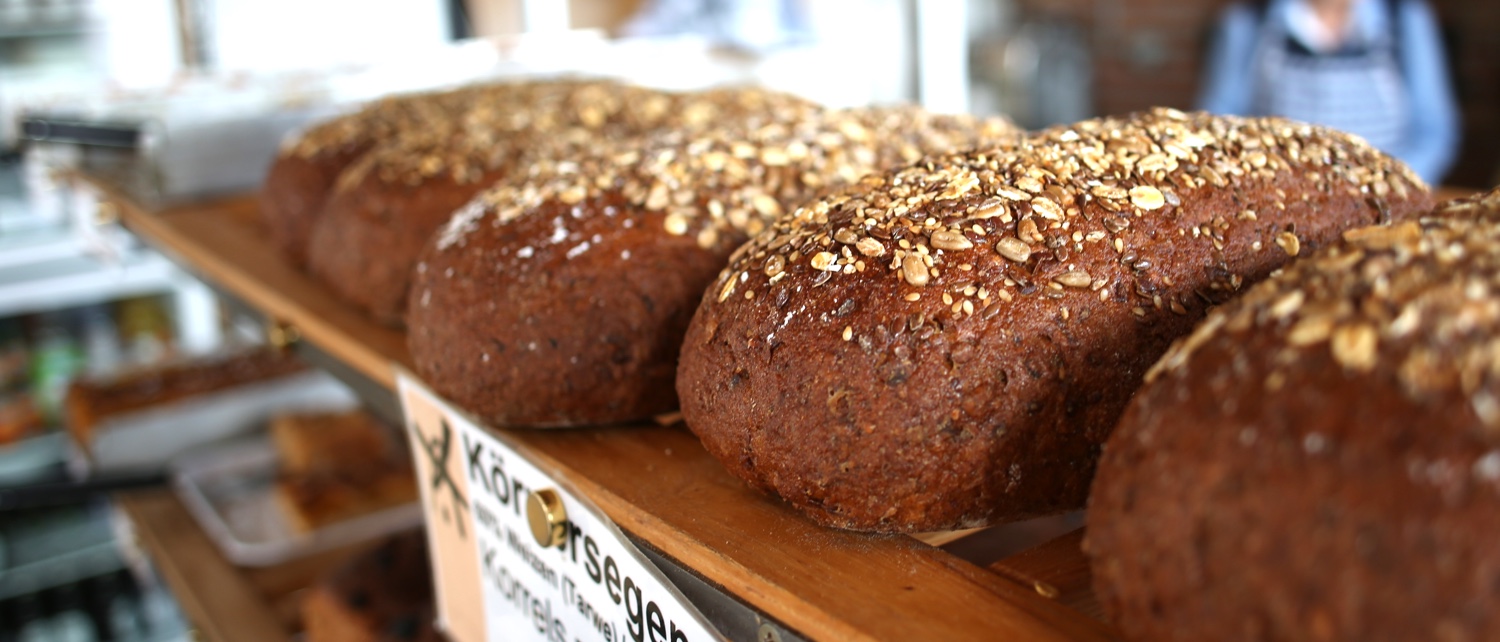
x=1074, y=279
x=949, y=240
x=1014, y=249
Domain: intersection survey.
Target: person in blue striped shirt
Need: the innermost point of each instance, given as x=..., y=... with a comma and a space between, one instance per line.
x=1374, y=68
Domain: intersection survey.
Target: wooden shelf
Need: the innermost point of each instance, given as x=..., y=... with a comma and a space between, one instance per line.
x=222, y=602
x=657, y=483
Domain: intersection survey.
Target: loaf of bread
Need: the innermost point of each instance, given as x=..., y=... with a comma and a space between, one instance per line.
x=388, y=203
x=560, y=297
x=948, y=345
x=1320, y=459
x=382, y=595
x=303, y=174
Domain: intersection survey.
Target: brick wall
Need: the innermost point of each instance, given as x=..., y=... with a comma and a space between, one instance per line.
x=1147, y=52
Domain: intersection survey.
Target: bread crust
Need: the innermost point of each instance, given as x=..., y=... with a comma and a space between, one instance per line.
x=1320, y=460
x=560, y=297
x=388, y=203
x=948, y=345
x=304, y=173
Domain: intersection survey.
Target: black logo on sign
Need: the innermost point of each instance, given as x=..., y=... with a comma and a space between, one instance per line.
x=438, y=450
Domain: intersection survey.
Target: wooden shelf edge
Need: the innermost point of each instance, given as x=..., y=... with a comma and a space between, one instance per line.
x=962, y=598
x=218, y=602
x=165, y=230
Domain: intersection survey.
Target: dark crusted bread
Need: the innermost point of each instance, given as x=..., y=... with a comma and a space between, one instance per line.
x=1320, y=459
x=303, y=174
x=560, y=297
x=382, y=595
x=387, y=205
x=948, y=345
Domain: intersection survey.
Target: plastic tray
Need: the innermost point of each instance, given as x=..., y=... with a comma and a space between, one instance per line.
x=230, y=490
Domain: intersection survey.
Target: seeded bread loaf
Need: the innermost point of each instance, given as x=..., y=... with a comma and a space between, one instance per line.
x=560, y=298
x=382, y=595
x=948, y=345
x=303, y=174
x=1320, y=459
x=387, y=205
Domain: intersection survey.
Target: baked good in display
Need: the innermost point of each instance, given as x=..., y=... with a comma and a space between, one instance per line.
x=386, y=204
x=332, y=442
x=303, y=173
x=382, y=595
x=91, y=400
x=311, y=502
x=338, y=466
x=19, y=418
x=949, y=344
x=1320, y=459
x=389, y=202
x=560, y=297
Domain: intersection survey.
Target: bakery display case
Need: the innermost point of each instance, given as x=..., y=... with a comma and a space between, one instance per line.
x=734, y=528
x=751, y=565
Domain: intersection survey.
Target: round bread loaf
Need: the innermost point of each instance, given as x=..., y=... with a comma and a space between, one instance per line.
x=382, y=595
x=560, y=297
x=387, y=205
x=303, y=174
x=1320, y=459
x=948, y=345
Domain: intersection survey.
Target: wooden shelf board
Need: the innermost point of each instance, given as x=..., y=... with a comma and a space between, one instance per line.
x=223, y=602
x=219, y=601
x=223, y=242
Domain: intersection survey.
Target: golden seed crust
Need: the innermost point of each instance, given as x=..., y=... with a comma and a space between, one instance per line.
x=601, y=253
x=1331, y=434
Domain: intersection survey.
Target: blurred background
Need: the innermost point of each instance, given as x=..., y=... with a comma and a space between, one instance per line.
x=184, y=99
x=1039, y=61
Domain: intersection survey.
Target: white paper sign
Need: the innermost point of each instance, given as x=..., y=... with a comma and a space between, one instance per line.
x=494, y=581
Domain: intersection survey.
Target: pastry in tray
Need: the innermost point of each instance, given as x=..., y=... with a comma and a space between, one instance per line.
x=385, y=205
x=337, y=466
x=91, y=400
x=1320, y=459
x=310, y=502
x=947, y=345
x=381, y=595
x=331, y=443
x=19, y=419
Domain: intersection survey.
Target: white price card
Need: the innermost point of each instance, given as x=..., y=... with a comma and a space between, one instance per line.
x=517, y=555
